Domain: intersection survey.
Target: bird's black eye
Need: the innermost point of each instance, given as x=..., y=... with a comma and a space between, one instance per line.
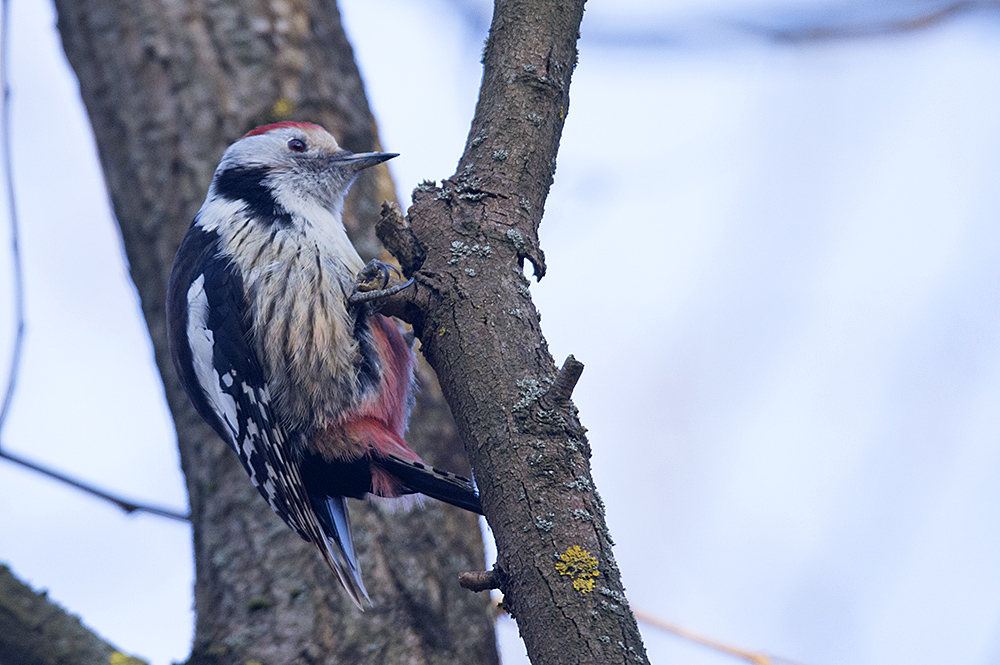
x=296, y=145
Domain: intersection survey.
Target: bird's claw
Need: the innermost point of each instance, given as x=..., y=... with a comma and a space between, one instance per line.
x=372, y=283
x=369, y=276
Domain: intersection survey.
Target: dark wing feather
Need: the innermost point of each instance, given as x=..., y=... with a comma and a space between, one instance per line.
x=441, y=485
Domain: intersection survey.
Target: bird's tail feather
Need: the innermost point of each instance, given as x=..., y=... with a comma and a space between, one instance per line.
x=437, y=484
x=339, y=552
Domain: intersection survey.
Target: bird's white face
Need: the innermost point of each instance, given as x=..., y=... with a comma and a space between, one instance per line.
x=302, y=161
x=290, y=179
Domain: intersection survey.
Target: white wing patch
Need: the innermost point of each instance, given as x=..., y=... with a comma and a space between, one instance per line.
x=202, y=343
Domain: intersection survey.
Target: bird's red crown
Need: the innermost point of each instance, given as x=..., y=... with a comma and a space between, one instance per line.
x=264, y=129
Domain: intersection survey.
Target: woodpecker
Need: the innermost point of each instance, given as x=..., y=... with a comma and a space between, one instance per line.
x=274, y=332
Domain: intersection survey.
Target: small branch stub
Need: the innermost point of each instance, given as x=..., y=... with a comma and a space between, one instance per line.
x=562, y=388
x=482, y=580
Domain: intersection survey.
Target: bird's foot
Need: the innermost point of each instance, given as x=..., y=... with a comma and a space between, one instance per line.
x=372, y=283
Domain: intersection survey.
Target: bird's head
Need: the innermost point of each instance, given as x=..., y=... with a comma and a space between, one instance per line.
x=288, y=167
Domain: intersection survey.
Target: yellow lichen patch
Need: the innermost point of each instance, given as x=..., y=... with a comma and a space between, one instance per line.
x=118, y=658
x=282, y=108
x=580, y=565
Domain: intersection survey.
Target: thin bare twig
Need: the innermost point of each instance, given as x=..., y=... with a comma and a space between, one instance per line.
x=816, y=24
x=126, y=505
x=821, y=31
x=19, y=317
x=744, y=654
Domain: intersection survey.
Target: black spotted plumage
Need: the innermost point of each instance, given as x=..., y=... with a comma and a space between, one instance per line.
x=231, y=394
x=254, y=433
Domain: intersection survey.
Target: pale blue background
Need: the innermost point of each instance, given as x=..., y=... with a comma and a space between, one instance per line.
x=778, y=262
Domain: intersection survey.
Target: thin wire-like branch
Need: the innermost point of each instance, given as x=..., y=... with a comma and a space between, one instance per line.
x=744, y=654
x=123, y=503
x=18, y=347
x=816, y=23
x=832, y=30
x=16, y=352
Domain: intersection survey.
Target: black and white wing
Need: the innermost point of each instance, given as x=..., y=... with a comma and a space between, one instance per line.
x=210, y=343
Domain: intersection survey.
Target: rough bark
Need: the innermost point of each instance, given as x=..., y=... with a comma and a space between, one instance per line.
x=36, y=631
x=473, y=313
x=168, y=84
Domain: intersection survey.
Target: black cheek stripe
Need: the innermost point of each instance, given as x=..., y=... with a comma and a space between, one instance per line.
x=246, y=183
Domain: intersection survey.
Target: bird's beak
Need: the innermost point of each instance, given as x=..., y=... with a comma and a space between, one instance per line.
x=359, y=161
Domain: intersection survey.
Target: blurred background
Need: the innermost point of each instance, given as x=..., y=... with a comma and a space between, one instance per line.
x=790, y=211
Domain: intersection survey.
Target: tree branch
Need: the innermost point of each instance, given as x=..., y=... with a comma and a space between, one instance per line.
x=473, y=313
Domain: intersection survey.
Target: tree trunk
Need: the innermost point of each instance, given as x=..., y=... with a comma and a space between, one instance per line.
x=168, y=84
x=36, y=631
x=472, y=309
